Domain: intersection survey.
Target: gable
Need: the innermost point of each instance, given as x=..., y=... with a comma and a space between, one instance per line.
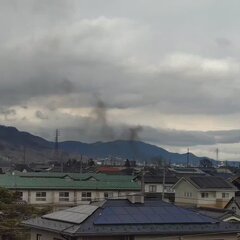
x=183, y=183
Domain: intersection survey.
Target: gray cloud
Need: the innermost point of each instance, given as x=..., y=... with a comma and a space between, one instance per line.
x=41, y=115
x=171, y=59
x=8, y=113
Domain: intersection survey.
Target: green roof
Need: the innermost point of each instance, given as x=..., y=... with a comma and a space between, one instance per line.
x=101, y=183
x=77, y=176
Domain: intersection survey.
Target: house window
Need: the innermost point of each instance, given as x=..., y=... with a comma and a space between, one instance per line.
x=41, y=196
x=204, y=195
x=64, y=196
x=108, y=195
x=187, y=194
x=86, y=196
x=38, y=237
x=225, y=195
x=152, y=188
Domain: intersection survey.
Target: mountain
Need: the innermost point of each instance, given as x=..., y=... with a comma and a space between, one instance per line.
x=127, y=149
x=18, y=145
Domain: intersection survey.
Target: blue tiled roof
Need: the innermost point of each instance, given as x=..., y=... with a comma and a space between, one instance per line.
x=120, y=217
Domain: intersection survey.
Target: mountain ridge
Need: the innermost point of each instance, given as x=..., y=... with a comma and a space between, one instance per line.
x=11, y=137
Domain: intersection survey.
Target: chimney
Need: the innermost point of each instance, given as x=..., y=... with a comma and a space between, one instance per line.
x=136, y=198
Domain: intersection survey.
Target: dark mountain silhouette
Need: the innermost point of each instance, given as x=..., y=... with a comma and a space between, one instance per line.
x=13, y=140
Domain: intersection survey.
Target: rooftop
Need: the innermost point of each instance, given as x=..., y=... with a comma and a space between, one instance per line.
x=116, y=217
x=67, y=181
x=210, y=182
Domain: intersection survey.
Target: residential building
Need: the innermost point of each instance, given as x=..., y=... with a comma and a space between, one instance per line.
x=129, y=220
x=155, y=184
x=225, y=215
x=186, y=171
x=68, y=188
x=200, y=191
x=234, y=205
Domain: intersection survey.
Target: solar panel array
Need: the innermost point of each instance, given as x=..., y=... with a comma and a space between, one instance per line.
x=210, y=182
x=72, y=215
x=149, y=215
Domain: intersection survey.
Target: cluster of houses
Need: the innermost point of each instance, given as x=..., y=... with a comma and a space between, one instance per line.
x=186, y=203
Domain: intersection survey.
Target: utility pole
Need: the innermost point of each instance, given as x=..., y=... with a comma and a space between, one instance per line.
x=81, y=164
x=188, y=157
x=24, y=154
x=56, y=149
x=217, y=153
x=163, y=184
x=142, y=181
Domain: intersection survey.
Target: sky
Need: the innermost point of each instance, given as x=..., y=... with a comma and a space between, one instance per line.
x=167, y=71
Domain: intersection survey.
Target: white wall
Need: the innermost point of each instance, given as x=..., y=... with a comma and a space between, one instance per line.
x=45, y=235
x=180, y=190
x=75, y=197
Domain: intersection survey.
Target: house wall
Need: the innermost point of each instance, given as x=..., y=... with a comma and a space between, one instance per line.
x=184, y=187
x=232, y=206
x=168, y=187
x=232, y=236
x=210, y=201
x=215, y=199
x=45, y=235
x=75, y=197
x=51, y=236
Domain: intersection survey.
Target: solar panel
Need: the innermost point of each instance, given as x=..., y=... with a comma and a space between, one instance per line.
x=72, y=215
x=149, y=215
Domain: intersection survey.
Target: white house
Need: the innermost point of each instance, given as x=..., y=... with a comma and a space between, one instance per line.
x=208, y=191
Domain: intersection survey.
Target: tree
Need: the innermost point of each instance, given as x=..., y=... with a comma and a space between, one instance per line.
x=12, y=214
x=206, y=163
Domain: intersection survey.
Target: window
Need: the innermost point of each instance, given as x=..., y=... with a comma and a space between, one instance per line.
x=225, y=195
x=108, y=195
x=187, y=194
x=38, y=237
x=41, y=196
x=204, y=195
x=64, y=196
x=86, y=196
x=152, y=188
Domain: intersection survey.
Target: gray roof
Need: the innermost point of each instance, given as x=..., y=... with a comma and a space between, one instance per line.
x=210, y=182
x=159, y=179
x=167, y=220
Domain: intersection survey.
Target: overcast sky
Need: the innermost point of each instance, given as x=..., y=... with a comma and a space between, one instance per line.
x=96, y=69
